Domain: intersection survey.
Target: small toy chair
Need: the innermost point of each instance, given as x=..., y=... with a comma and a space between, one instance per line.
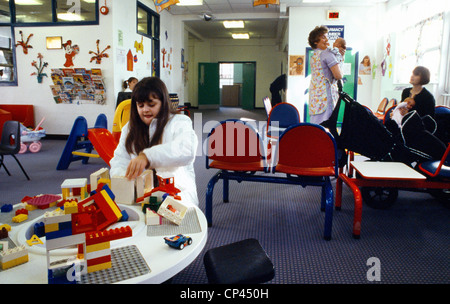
x=309, y=152
x=243, y=262
x=121, y=117
x=10, y=144
x=387, y=114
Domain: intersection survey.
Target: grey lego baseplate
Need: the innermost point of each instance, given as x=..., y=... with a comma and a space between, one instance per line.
x=190, y=224
x=127, y=263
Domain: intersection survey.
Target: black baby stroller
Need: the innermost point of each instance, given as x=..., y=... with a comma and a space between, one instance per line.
x=357, y=130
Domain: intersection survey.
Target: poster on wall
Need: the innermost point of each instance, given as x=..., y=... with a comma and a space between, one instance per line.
x=335, y=32
x=78, y=86
x=296, y=65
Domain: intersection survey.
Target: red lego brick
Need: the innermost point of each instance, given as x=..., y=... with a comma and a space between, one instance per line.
x=108, y=235
x=22, y=211
x=100, y=260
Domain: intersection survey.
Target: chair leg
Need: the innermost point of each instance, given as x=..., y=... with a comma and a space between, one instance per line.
x=328, y=209
x=226, y=187
x=209, y=195
x=20, y=165
x=3, y=164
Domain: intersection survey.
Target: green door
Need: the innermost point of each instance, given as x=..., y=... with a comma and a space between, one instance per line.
x=248, y=86
x=208, y=85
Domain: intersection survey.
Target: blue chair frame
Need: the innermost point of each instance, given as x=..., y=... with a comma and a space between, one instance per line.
x=327, y=201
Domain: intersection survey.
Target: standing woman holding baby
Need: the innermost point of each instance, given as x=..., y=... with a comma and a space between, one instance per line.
x=325, y=72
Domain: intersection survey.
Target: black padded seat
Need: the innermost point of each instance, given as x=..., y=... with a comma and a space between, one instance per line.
x=243, y=262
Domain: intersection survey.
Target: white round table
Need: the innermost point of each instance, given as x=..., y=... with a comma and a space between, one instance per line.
x=164, y=261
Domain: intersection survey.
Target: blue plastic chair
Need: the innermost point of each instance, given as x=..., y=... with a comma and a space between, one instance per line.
x=281, y=117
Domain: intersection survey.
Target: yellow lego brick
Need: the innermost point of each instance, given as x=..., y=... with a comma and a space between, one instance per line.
x=51, y=227
x=15, y=262
x=98, y=267
x=65, y=192
x=70, y=208
x=97, y=247
x=113, y=205
x=20, y=218
x=30, y=207
x=6, y=226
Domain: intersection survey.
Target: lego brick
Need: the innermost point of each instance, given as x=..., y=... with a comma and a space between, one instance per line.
x=65, y=241
x=123, y=189
x=56, y=216
x=20, y=218
x=58, y=234
x=13, y=254
x=99, y=260
x=97, y=247
x=70, y=207
x=6, y=226
x=152, y=218
x=108, y=235
x=97, y=254
x=109, y=199
x=99, y=267
x=51, y=227
x=15, y=262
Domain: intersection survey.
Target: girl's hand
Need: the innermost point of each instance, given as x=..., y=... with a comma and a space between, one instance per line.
x=137, y=166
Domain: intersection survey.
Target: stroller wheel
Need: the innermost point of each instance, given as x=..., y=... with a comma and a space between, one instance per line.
x=379, y=198
x=443, y=195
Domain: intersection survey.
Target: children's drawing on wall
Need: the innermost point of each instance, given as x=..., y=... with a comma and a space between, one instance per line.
x=296, y=65
x=40, y=68
x=365, y=67
x=71, y=52
x=139, y=46
x=25, y=44
x=98, y=56
x=130, y=61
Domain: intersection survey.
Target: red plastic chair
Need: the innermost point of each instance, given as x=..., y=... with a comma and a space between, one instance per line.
x=236, y=149
x=309, y=152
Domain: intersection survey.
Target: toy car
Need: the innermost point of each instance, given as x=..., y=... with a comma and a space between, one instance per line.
x=179, y=241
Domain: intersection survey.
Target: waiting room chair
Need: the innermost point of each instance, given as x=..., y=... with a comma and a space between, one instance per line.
x=10, y=144
x=237, y=150
x=308, y=153
x=438, y=168
x=281, y=117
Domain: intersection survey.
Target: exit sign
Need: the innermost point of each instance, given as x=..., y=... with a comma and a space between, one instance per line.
x=333, y=15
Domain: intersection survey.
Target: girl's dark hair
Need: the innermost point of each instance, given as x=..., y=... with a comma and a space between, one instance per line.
x=138, y=137
x=126, y=83
x=315, y=34
x=423, y=73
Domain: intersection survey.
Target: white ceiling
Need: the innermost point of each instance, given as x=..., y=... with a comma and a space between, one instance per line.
x=260, y=21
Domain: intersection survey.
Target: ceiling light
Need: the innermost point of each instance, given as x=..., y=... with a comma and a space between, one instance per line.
x=190, y=2
x=316, y=1
x=70, y=17
x=240, y=36
x=233, y=24
x=28, y=2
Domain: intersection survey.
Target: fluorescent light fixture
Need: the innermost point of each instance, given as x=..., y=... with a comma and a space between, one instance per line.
x=316, y=1
x=70, y=17
x=28, y=2
x=240, y=36
x=190, y=2
x=233, y=24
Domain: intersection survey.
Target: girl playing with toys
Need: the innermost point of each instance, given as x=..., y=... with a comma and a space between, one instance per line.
x=157, y=138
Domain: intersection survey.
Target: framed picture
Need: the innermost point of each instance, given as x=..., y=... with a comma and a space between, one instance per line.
x=54, y=43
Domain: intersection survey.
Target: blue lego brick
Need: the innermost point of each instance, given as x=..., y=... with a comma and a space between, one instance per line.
x=39, y=229
x=58, y=234
x=6, y=208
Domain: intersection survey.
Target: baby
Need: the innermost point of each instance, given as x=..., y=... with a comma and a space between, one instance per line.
x=401, y=110
x=339, y=47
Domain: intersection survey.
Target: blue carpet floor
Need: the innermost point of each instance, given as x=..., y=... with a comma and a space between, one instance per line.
x=410, y=239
